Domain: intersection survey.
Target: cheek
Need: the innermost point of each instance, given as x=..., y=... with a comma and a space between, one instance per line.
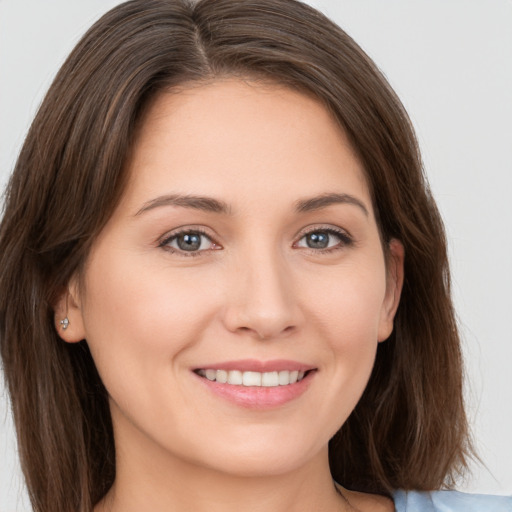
x=347, y=316
x=349, y=304
x=139, y=321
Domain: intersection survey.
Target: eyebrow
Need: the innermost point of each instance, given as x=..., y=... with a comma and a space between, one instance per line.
x=210, y=204
x=325, y=200
x=203, y=203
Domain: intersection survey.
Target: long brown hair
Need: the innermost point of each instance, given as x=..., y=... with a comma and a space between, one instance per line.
x=409, y=429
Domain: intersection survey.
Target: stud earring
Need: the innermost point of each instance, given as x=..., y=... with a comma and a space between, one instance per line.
x=64, y=323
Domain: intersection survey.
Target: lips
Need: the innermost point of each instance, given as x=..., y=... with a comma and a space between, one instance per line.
x=256, y=384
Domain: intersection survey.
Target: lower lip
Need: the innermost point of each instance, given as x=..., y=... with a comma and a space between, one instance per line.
x=259, y=397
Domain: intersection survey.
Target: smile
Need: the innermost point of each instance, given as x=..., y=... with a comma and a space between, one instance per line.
x=254, y=384
x=251, y=378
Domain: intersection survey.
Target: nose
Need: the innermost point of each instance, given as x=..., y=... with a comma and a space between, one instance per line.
x=262, y=299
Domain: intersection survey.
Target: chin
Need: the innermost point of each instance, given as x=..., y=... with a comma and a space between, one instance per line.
x=260, y=465
x=265, y=456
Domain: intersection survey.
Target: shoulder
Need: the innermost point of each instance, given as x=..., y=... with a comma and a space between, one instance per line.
x=450, y=501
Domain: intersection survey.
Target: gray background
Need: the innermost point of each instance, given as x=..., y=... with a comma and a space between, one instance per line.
x=451, y=63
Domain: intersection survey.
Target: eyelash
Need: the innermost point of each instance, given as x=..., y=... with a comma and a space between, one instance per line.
x=345, y=240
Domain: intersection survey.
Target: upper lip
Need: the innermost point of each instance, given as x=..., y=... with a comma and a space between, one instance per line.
x=254, y=365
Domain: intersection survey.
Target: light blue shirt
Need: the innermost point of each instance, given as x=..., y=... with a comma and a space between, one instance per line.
x=450, y=501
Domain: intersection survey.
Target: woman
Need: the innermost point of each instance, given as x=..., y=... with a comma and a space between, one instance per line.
x=217, y=225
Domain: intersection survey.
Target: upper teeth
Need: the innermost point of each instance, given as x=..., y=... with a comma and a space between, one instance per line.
x=266, y=379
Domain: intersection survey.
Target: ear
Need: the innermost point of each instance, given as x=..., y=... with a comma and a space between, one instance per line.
x=68, y=306
x=394, y=282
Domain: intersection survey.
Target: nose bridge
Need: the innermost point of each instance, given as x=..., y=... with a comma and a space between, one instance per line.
x=262, y=299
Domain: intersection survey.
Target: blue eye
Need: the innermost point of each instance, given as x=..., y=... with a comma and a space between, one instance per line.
x=324, y=239
x=190, y=241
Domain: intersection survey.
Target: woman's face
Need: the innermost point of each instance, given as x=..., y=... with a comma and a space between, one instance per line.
x=244, y=249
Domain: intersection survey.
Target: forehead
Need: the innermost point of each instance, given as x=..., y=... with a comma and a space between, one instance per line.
x=241, y=140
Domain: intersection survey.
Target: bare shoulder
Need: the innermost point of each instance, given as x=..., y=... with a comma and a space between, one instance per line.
x=365, y=502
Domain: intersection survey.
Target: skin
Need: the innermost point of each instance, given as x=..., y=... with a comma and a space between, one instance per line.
x=151, y=313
